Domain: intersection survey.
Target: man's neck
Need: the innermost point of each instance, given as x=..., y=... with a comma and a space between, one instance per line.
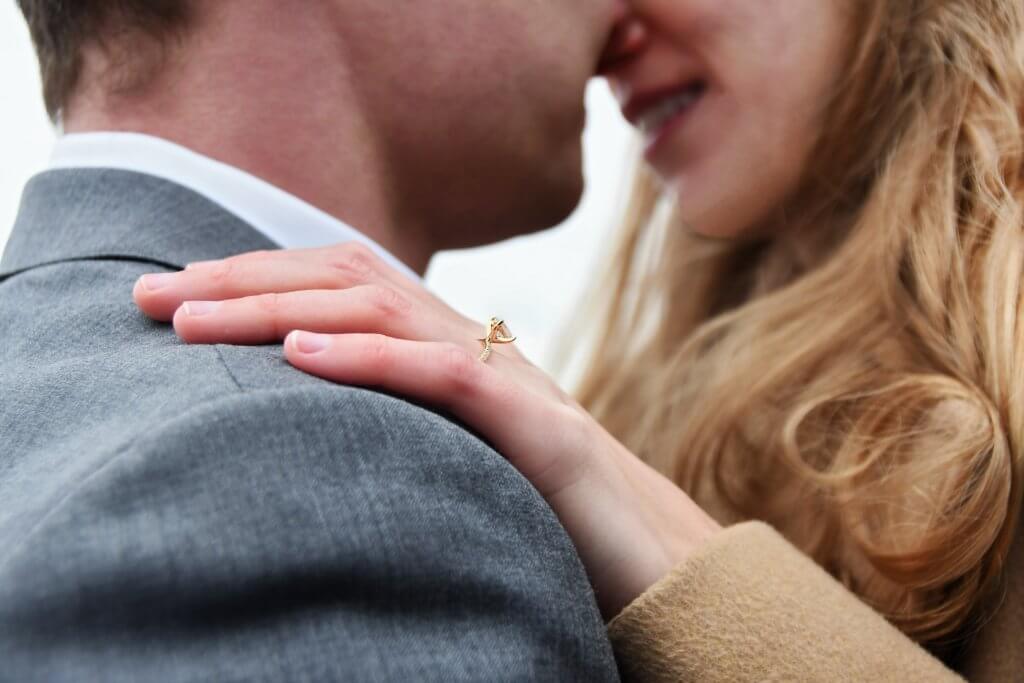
x=291, y=125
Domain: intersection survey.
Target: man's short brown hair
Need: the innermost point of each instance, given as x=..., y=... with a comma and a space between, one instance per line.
x=61, y=29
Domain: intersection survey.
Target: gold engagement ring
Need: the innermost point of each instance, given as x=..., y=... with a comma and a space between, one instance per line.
x=496, y=333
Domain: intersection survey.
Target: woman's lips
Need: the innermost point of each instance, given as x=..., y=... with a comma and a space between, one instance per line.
x=657, y=115
x=658, y=140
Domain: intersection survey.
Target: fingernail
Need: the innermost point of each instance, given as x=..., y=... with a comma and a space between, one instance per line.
x=307, y=342
x=157, y=281
x=194, y=309
x=199, y=264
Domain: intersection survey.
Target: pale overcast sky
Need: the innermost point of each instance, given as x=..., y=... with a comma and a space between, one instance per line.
x=532, y=282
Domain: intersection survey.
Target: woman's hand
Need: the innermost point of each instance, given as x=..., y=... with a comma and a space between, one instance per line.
x=379, y=329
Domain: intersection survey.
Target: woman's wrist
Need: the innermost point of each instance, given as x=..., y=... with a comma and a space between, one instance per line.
x=668, y=528
x=691, y=530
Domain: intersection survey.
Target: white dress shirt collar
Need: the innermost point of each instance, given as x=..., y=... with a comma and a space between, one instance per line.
x=284, y=218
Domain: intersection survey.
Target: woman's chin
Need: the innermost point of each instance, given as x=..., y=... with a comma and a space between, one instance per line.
x=703, y=212
x=725, y=216
x=711, y=226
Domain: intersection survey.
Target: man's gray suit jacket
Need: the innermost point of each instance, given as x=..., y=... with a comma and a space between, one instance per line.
x=208, y=513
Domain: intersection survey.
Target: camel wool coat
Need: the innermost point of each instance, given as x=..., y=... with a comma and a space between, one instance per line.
x=750, y=606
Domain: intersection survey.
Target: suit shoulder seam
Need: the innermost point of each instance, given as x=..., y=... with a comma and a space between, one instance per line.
x=227, y=368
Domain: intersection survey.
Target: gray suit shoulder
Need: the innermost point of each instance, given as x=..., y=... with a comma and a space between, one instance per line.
x=304, y=533
x=177, y=513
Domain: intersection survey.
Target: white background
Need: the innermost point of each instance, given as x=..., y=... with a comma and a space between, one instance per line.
x=532, y=282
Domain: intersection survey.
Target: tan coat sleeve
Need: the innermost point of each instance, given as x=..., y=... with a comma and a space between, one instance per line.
x=997, y=652
x=749, y=606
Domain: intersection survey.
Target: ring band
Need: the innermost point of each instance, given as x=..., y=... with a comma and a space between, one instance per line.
x=495, y=333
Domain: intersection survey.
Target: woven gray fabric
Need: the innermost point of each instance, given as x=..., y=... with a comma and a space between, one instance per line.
x=208, y=513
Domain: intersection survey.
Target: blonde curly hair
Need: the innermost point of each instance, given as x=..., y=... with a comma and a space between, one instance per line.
x=857, y=379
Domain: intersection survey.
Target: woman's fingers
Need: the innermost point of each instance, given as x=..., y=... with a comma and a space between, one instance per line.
x=159, y=295
x=267, y=318
x=531, y=432
x=354, y=258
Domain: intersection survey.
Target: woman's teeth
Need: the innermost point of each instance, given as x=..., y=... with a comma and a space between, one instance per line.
x=656, y=117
